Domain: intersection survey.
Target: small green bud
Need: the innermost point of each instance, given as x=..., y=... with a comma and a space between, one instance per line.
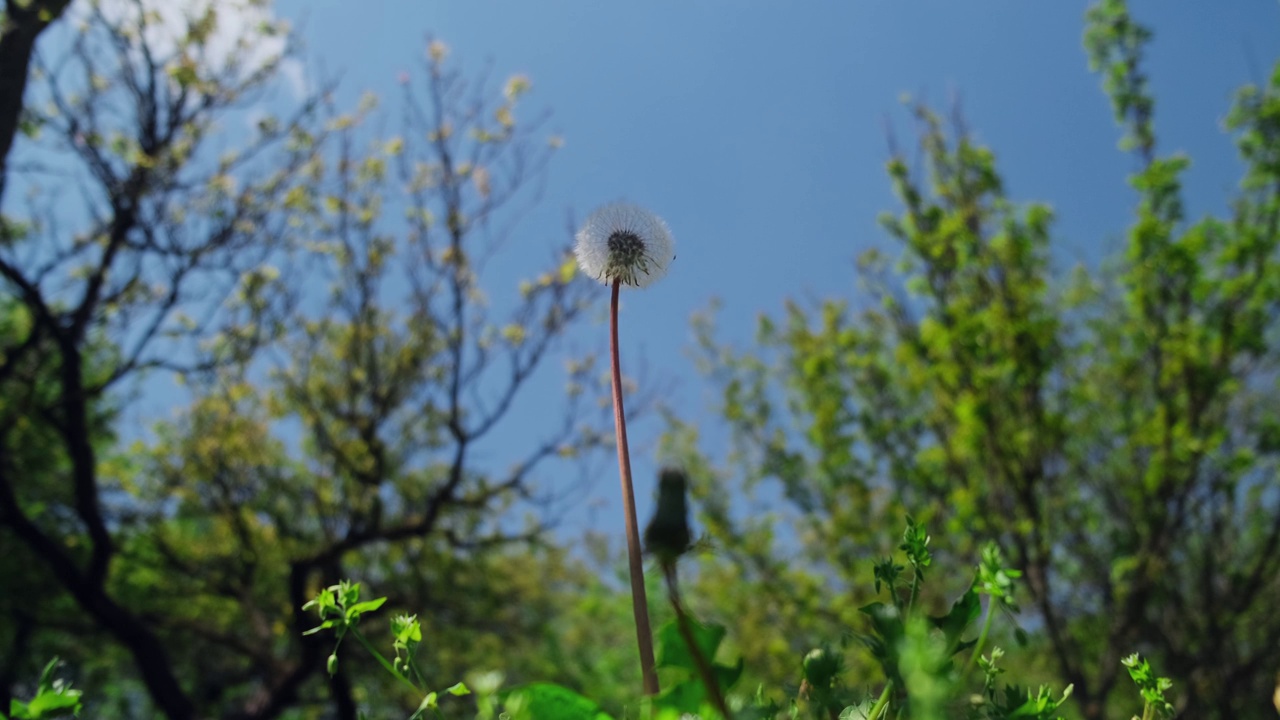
x=667, y=535
x=333, y=664
x=821, y=666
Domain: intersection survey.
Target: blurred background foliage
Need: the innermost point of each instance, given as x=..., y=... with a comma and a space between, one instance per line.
x=311, y=293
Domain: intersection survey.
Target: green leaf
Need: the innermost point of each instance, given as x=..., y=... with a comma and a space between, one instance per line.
x=965, y=611
x=359, y=608
x=185, y=75
x=458, y=689
x=55, y=698
x=886, y=620
x=686, y=697
x=548, y=701
x=727, y=676
x=689, y=696
x=674, y=653
x=861, y=711
x=322, y=626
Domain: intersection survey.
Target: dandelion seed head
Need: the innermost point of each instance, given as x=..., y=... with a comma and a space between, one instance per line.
x=624, y=242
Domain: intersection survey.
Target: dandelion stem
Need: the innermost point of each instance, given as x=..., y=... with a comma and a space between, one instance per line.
x=686, y=631
x=640, y=605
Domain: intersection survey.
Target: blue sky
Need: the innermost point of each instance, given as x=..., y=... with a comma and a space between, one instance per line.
x=757, y=129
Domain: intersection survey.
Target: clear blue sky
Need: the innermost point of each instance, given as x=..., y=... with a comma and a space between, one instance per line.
x=757, y=129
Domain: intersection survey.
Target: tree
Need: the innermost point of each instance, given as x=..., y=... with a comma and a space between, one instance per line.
x=1115, y=431
x=329, y=427
x=23, y=23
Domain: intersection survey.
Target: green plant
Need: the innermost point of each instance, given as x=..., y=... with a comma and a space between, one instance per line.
x=925, y=661
x=1114, y=426
x=54, y=698
x=623, y=244
x=1152, y=688
x=340, y=610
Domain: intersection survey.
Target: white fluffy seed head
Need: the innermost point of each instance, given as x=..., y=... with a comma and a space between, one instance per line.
x=624, y=242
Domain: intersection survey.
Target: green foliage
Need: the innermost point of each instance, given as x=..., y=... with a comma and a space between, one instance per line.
x=1151, y=687
x=547, y=701
x=687, y=693
x=1103, y=442
x=1112, y=431
x=1115, y=42
x=314, y=298
x=54, y=698
x=340, y=610
x=916, y=655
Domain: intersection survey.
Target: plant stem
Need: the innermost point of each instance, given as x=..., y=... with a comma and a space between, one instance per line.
x=386, y=664
x=640, y=605
x=881, y=704
x=915, y=590
x=686, y=632
x=982, y=639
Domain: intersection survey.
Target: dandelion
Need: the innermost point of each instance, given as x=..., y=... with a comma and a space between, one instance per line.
x=667, y=537
x=626, y=243
x=622, y=244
